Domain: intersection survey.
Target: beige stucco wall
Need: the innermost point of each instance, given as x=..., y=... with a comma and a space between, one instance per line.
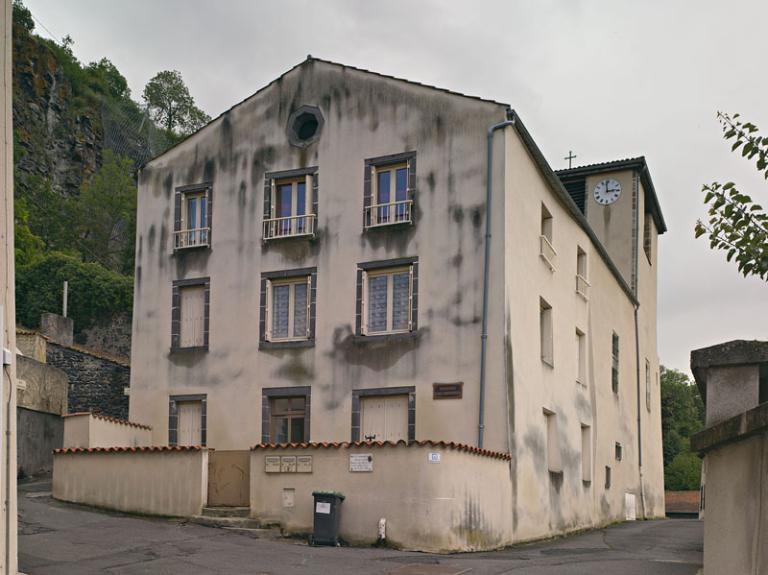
x=433, y=507
x=42, y=387
x=168, y=482
x=32, y=344
x=87, y=430
x=365, y=117
x=8, y=529
x=736, y=523
x=551, y=503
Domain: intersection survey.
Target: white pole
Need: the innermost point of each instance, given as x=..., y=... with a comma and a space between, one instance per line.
x=66, y=293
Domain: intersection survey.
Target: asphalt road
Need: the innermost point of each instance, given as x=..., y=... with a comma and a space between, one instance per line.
x=61, y=539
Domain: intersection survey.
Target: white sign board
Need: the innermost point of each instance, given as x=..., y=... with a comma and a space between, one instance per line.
x=360, y=462
x=323, y=507
x=434, y=458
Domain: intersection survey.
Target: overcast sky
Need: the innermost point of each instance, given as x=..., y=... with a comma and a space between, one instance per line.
x=608, y=79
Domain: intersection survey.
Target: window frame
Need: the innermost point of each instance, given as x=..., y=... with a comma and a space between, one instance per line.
x=546, y=333
x=547, y=250
x=182, y=195
x=615, y=362
x=270, y=393
x=586, y=453
x=266, y=303
x=581, y=357
x=391, y=163
x=177, y=286
x=289, y=415
x=368, y=270
x=173, y=416
x=306, y=227
x=582, y=273
x=270, y=309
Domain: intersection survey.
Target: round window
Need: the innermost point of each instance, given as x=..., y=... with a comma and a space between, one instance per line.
x=304, y=126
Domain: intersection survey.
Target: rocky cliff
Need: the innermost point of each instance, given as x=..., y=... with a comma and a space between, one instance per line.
x=58, y=137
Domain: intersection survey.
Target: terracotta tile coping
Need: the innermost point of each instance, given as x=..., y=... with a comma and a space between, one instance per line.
x=374, y=444
x=109, y=419
x=146, y=449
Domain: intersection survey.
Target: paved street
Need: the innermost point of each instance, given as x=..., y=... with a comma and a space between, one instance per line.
x=60, y=539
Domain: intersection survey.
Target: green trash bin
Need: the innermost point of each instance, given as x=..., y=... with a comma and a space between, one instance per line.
x=327, y=513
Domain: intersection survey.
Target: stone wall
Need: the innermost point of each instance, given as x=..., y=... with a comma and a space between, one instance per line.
x=38, y=434
x=96, y=382
x=112, y=336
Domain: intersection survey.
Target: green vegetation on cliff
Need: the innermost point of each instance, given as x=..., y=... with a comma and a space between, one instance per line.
x=79, y=138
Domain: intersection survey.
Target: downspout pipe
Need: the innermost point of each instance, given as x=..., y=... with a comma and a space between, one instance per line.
x=486, y=272
x=639, y=413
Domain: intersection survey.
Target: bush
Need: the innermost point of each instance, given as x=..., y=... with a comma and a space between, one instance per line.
x=94, y=291
x=684, y=473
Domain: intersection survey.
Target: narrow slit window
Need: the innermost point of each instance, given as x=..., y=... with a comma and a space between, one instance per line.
x=586, y=453
x=615, y=363
x=545, y=332
x=581, y=355
x=554, y=458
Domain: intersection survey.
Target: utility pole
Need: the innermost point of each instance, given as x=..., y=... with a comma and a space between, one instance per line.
x=66, y=294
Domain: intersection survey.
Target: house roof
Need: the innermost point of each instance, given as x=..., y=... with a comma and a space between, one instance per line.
x=639, y=164
x=308, y=60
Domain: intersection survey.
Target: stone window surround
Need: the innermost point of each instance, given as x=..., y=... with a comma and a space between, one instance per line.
x=287, y=274
x=269, y=393
x=270, y=177
x=179, y=192
x=378, y=265
x=377, y=392
x=173, y=418
x=176, y=313
x=293, y=137
x=370, y=163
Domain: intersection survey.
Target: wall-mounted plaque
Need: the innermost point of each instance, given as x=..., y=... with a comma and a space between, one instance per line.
x=360, y=462
x=288, y=464
x=272, y=464
x=303, y=464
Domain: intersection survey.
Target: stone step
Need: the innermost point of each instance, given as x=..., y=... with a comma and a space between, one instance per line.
x=253, y=527
x=226, y=511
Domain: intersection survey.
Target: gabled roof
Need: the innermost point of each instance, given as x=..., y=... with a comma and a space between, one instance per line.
x=640, y=165
x=308, y=60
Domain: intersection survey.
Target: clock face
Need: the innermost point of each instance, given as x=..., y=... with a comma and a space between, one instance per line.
x=607, y=191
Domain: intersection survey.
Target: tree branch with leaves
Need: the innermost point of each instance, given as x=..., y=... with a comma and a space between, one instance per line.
x=736, y=224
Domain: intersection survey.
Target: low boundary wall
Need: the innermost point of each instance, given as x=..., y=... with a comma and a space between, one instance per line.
x=89, y=430
x=435, y=496
x=170, y=481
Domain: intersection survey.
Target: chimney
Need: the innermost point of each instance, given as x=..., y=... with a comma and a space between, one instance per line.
x=57, y=328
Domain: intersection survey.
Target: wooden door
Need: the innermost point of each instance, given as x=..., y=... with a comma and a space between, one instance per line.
x=190, y=420
x=384, y=418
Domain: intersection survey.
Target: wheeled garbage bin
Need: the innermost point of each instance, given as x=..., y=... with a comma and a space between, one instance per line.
x=327, y=515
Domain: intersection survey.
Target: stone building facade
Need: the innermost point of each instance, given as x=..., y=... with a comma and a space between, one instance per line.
x=347, y=256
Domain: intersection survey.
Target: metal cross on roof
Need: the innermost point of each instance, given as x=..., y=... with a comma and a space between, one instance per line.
x=570, y=158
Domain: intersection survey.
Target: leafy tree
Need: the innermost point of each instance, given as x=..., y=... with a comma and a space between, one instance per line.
x=22, y=17
x=171, y=105
x=684, y=473
x=27, y=246
x=94, y=291
x=105, y=214
x=737, y=224
x=108, y=78
x=682, y=415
